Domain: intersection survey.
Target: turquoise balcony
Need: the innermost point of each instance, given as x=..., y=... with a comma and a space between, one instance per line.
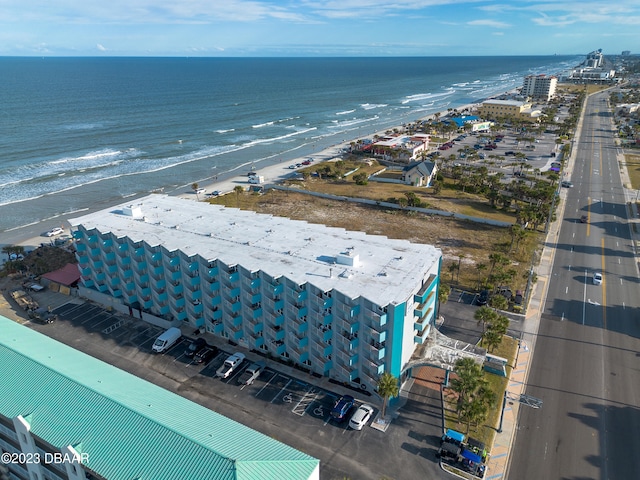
x=110, y=257
x=81, y=247
x=78, y=234
x=117, y=293
x=278, y=289
x=197, y=295
x=304, y=356
x=326, y=336
x=199, y=308
x=218, y=329
x=175, y=261
x=88, y=283
x=215, y=286
x=181, y=315
x=156, y=257
x=158, y=271
x=257, y=313
x=353, y=360
x=215, y=301
x=194, y=281
x=327, y=303
x=255, y=283
x=217, y=315
x=425, y=290
x=213, y=272
x=327, y=350
x=163, y=297
x=421, y=324
x=278, y=305
x=107, y=243
x=422, y=336
x=125, y=261
x=302, y=312
x=421, y=310
x=85, y=272
x=123, y=247
x=103, y=288
x=193, y=266
x=112, y=269
x=281, y=349
x=127, y=274
x=280, y=334
x=234, y=277
x=279, y=320
x=258, y=327
x=146, y=292
x=97, y=265
x=353, y=344
x=178, y=289
x=235, y=292
x=327, y=319
x=139, y=252
x=236, y=307
x=257, y=298
x=238, y=335
x=237, y=321
x=144, y=278
x=259, y=342
x=101, y=276
x=302, y=296
x=303, y=328
x=303, y=342
x=355, y=311
x=180, y=302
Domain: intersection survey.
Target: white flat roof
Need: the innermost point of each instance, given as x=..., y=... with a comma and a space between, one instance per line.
x=388, y=270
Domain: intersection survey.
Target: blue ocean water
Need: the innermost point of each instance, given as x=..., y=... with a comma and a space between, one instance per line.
x=76, y=133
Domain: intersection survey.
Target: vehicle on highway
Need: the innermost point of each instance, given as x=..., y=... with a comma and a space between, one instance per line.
x=483, y=297
x=195, y=346
x=583, y=219
x=166, y=340
x=230, y=364
x=251, y=373
x=342, y=407
x=361, y=417
x=200, y=191
x=54, y=231
x=206, y=354
x=597, y=278
x=566, y=184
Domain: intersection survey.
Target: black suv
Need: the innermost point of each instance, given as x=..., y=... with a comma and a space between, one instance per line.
x=195, y=346
x=206, y=354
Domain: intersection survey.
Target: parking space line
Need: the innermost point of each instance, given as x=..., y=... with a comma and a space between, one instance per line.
x=281, y=390
x=275, y=374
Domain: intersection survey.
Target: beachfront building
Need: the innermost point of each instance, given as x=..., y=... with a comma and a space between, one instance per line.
x=339, y=303
x=65, y=415
x=420, y=173
x=494, y=109
x=541, y=87
x=402, y=148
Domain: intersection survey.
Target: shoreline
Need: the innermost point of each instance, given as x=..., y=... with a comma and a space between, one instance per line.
x=29, y=237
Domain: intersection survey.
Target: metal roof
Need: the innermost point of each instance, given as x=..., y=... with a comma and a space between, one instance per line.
x=387, y=270
x=130, y=428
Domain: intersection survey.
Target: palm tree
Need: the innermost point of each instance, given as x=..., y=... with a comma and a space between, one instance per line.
x=443, y=294
x=485, y=315
x=387, y=388
x=238, y=190
x=480, y=267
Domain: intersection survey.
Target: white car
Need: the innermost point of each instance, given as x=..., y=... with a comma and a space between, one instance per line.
x=54, y=231
x=200, y=191
x=597, y=278
x=361, y=417
x=230, y=364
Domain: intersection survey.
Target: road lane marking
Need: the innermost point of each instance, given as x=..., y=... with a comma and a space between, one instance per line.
x=604, y=288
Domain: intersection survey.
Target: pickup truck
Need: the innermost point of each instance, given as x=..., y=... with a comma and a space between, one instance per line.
x=230, y=364
x=251, y=373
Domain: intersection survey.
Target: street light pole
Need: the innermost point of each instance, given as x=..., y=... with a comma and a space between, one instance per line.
x=504, y=404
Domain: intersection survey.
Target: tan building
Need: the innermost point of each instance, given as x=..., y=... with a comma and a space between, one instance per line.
x=492, y=109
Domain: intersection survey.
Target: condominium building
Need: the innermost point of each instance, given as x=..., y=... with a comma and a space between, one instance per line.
x=340, y=303
x=65, y=415
x=540, y=86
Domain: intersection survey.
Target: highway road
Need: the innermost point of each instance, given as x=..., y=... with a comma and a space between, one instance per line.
x=586, y=365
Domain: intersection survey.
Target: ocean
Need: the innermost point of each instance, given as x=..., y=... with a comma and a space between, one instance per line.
x=78, y=133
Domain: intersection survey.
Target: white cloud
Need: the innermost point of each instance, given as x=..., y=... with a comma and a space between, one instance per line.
x=101, y=47
x=488, y=23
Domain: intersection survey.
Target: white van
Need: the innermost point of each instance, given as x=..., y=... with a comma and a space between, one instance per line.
x=166, y=340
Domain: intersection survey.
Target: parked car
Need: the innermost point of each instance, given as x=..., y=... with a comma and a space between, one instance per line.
x=361, y=417
x=509, y=153
x=251, y=373
x=566, y=184
x=195, y=346
x=54, y=231
x=341, y=408
x=597, y=278
x=518, y=298
x=230, y=364
x=483, y=297
x=206, y=354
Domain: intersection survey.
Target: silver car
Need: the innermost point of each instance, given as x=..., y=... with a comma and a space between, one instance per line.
x=361, y=417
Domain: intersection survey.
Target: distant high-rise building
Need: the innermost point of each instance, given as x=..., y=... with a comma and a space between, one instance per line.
x=626, y=52
x=540, y=86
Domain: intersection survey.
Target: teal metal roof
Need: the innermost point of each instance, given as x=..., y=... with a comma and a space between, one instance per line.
x=130, y=428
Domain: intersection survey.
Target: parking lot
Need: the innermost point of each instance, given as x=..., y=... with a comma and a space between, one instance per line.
x=283, y=403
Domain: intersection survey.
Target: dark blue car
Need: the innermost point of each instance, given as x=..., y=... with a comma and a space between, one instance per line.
x=341, y=408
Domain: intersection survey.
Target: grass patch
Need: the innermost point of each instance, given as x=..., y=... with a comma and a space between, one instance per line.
x=487, y=431
x=632, y=163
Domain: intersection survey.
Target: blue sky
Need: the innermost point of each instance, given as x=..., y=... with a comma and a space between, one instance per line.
x=316, y=27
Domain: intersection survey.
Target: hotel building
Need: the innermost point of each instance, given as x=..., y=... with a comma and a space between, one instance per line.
x=340, y=303
x=540, y=86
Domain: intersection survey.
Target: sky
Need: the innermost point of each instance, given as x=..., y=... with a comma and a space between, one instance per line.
x=241, y=28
